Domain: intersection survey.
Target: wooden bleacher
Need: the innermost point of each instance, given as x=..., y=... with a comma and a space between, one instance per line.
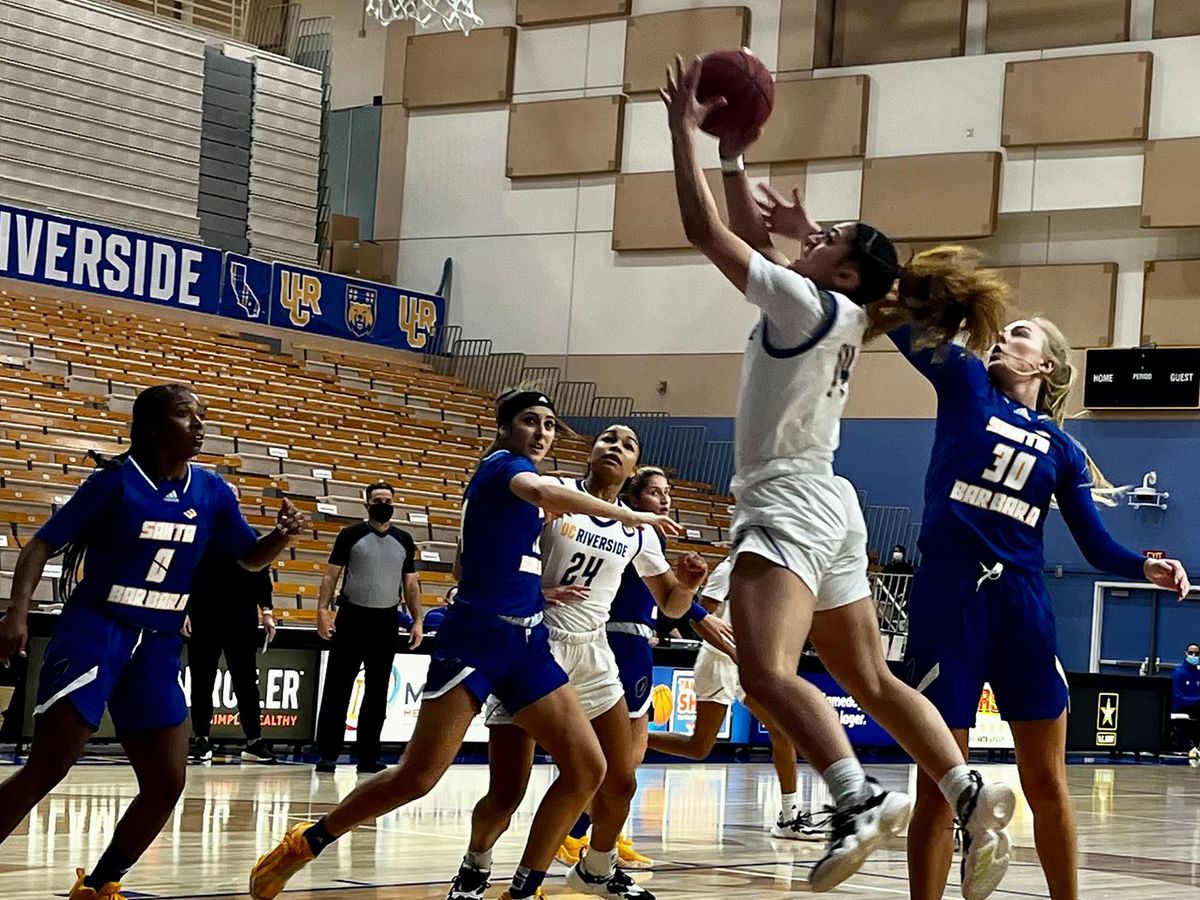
x=312, y=425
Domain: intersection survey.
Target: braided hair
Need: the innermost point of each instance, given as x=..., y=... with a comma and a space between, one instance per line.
x=149, y=408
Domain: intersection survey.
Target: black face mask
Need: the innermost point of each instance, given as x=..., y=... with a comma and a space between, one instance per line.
x=380, y=512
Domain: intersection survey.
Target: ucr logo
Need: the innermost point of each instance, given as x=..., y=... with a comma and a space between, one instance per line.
x=300, y=295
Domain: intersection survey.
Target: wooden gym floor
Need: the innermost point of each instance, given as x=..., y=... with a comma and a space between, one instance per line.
x=1139, y=835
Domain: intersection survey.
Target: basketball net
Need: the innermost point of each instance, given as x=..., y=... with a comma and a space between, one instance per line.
x=453, y=13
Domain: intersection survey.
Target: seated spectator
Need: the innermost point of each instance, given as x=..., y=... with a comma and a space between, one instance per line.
x=1185, y=693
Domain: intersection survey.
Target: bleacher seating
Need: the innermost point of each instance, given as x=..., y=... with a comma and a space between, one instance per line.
x=309, y=424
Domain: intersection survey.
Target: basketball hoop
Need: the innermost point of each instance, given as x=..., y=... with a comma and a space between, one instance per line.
x=453, y=13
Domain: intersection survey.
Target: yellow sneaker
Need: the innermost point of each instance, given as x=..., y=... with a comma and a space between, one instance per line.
x=630, y=858
x=538, y=895
x=271, y=873
x=111, y=891
x=568, y=854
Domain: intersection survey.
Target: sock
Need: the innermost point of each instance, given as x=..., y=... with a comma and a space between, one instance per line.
x=599, y=863
x=954, y=782
x=318, y=837
x=847, y=782
x=112, y=866
x=481, y=860
x=580, y=828
x=787, y=802
x=525, y=883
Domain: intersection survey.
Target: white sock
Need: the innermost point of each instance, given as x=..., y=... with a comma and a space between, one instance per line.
x=787, y=802
x=954, y=782
x=481, y=860
x=847, y=782
x=599, y=863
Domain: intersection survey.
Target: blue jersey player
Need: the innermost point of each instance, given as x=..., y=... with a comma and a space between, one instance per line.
x=138, y=525
x=979, y=609
x=491, y=642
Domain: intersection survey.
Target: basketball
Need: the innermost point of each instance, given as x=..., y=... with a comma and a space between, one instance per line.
x=746, y=84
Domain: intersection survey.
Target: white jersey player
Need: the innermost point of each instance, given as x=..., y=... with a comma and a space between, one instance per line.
x=799, y=541
x=583, y=559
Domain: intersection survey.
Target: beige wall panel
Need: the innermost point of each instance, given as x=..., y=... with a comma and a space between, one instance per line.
x=1079, y=299
x=646, y=215
x=815, y=118
x=1174, y=18
x=1171, y=184
x=555, y=12
x=1171, y=302
x=565, y=137
x=393, y=154
x=1039, y=24
x=866, y=32
x=452, y=69
x=886, y=386
x=805, y=34
x=651, y=42
x=933, y=197
x=1055, y=101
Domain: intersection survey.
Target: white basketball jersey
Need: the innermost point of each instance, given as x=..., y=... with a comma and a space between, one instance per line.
x=593, y=553
x=717, y=588
x=793, y=395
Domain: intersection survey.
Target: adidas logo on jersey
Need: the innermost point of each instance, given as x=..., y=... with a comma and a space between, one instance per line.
x=172, y=497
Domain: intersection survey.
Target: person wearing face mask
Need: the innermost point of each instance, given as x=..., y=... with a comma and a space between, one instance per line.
x=378, y=562
x=1185, y=693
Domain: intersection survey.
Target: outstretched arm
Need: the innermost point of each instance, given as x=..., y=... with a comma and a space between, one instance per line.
x=744, y=216
x=552, y=496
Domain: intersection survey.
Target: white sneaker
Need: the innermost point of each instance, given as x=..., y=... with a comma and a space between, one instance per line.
x=857, y=833
x=1194, y=753
x=984, y=811
x=802, y=826
x=617, y=886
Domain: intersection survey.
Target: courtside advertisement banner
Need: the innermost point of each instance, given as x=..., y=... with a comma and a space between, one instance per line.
x=673, y=703
x=990, y=731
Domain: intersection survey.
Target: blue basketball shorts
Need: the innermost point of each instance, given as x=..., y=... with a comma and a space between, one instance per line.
x=972, y=622
x=94, y=660
x=492, y=657
x=635, y=662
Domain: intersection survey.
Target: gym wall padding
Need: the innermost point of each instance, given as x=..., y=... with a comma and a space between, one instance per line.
x=935, y=196
x=1055, y=101
x=565, y=137
x=646, y=212
x=1079, y=299
x=452, y=69
x=867, y=31
x=1042, y=24
x=653, y=41
x=557, y=12
x=815, y=118
x=1171, y=304
x=1169, y=195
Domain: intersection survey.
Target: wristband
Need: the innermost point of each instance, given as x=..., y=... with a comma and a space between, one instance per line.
x=697, y=613
x=735, y=166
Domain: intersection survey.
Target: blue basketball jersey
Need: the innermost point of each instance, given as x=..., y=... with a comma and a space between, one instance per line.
x=634, y=601
x=995, y=466
x=144, y=539
x=499, y=556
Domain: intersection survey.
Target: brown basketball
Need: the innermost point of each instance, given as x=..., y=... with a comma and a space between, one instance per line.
x=746, y=84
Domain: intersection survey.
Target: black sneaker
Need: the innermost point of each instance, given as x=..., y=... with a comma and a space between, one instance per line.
x=327, y=766
x=370, y=768
x=470, y=883
x=259, y=752
x=616, y=885
x=857, y=832
x=201, y=750
x=984, y=811
x=803, y=826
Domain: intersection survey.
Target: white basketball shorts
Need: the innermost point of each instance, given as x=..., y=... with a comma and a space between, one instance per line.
x=717, y=678
x=591, y=667
x=811, y=525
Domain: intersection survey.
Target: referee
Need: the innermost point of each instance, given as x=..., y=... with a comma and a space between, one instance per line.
x=379, y=563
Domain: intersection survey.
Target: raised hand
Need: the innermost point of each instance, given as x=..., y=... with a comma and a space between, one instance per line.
x=783, y=216
x=665, y=524
x=684, y=112
x=691, y=570
x=290, y=519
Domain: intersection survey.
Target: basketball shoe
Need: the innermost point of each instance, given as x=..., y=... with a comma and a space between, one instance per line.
x=629, y=857
x=539, y=894
x=857, y=832
x=110, y=891
x=470, y=883
x=984, y=811
x=617, y=885
x=271, y=873
x=568, y=854
x=801, y=826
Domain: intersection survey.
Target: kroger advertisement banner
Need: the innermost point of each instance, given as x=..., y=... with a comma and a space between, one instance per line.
x=335, y=306
x=53, y=250
x=98, y=259
x=862, y=730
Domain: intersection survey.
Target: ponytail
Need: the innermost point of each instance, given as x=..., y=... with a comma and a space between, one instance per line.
x=944, y=295
x=74, y=552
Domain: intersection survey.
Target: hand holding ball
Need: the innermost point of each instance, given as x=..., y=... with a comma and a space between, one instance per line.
x=749, y=91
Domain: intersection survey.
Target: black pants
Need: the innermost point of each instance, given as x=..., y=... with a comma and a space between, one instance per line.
x=363, y=638
x=240, y=645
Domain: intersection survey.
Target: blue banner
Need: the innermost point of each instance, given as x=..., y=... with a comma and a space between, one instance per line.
x=246, y=289
x=862, y=730
x=336, y=306
x=98, y=259
x=674, y=707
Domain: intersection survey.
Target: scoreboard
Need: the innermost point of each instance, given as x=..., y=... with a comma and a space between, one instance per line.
x=1142, y=378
